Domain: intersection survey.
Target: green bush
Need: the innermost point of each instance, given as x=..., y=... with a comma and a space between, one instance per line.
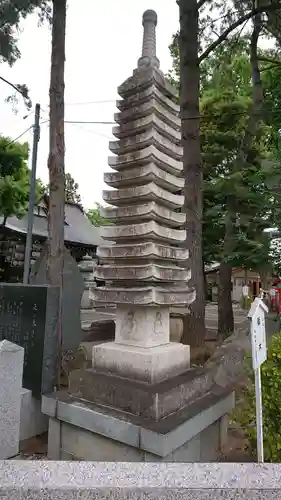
x=271, y=397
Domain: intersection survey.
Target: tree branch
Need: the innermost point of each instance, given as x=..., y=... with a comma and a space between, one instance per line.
x=270, y=60
x=241, y=20
x=11, y=85
x=272, y=66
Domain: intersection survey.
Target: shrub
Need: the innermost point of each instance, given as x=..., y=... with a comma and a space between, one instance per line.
x=271, y=397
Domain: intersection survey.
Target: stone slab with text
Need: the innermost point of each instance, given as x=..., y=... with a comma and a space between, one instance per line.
x=29, y=318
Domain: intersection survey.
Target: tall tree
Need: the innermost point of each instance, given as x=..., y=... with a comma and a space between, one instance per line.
x=190, y=22
x=226, y=320
x=56, y=156
x=194, y=324
x=72, y=194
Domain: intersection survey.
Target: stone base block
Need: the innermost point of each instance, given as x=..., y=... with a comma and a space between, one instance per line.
x=150, y=401
x=32, y=421
x=80, y=431
x=147, y=364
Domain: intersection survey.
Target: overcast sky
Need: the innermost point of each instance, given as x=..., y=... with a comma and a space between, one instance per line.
x=103, y=44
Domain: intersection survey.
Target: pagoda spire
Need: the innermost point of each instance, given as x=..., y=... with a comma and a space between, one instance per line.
x=148, y=57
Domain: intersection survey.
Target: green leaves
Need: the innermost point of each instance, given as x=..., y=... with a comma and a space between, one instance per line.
x=271, y=397
x=95, y=216
x=14, y=178
x=72, y=194
x=11, y=14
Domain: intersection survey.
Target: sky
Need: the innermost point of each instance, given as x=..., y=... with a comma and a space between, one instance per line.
x=103, y=44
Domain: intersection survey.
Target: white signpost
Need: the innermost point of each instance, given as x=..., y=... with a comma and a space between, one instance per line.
x=259, y=355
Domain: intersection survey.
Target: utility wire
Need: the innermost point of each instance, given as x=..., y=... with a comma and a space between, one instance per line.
x=24, y=132
x=78, y=122
x=92, y=131
x=19, y=136
x=83, y=129
x=89, y=102
x=195, y=117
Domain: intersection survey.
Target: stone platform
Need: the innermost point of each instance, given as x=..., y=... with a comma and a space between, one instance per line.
x=83, y=431
x=152, y=401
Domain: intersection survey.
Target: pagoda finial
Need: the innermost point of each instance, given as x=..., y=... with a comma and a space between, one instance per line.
x=148, y=57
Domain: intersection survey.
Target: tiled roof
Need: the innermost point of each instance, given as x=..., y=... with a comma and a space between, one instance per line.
x=77, y=228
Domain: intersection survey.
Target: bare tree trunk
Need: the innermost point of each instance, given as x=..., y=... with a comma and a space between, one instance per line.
x=194, y=323
x=56, y=156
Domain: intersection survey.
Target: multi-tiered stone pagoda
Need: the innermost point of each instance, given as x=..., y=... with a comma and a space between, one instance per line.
x=140, y=400
x=144, y=269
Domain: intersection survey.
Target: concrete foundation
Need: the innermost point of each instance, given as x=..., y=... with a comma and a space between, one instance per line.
x=32, y=421
x=81, y=431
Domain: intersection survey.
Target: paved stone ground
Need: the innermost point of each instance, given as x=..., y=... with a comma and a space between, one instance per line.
x=211, y=317
x=89, y=316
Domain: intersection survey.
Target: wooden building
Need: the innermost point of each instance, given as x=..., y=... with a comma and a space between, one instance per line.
x=81, y=238
x=240, y=277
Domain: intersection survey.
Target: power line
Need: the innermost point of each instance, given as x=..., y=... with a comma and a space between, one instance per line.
x=19, y=136
x=92, y=131
x=201, y=116
x=84, y=103
x=81, y=122
x=195, y=117
x=24, y=132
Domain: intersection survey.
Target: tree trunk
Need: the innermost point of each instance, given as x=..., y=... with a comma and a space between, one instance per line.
x=257, y=92
x=225, y=309
x=194, y=323
x=56, y=156
x=265, y=277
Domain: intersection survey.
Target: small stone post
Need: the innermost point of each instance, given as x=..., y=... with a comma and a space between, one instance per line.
x=11, y=368
x=86, y=267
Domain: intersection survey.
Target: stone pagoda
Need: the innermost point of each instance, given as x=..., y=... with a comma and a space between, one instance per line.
x=140, y=400
x=144, y=269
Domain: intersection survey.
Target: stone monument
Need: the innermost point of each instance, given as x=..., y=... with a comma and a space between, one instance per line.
x=140, y=400
x=29, y=318
x=11, y=367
